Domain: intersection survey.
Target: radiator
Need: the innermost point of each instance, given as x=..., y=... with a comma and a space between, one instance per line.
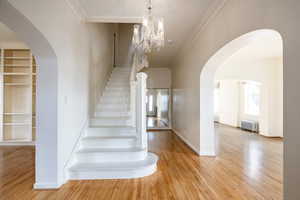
x=250, y=125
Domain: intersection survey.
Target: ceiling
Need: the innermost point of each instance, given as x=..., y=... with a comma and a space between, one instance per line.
x=182, y=18
x=268, y=46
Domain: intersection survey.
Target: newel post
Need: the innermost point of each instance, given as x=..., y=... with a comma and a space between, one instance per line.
x=141, y=89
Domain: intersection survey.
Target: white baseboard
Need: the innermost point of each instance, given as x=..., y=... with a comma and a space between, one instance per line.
x=71, y=160
x=186, y=142
x=207, y=153
x=17, y=143
x=46, y=186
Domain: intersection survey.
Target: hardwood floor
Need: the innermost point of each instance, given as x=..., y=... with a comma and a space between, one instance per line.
x=154, y=122
x=247, y=167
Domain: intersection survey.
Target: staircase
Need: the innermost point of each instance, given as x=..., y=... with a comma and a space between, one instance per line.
x=114, y=145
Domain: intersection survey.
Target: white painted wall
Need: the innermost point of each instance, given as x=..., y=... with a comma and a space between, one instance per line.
x=233, y=19
x=70, y=39
x=158, y=77
x=268, y=72
x=9, y=40
x=229, y=103
x=124, y=38
x=101, y=60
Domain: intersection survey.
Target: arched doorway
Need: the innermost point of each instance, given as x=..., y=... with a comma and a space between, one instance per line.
x=207, y=134
x=46, y=107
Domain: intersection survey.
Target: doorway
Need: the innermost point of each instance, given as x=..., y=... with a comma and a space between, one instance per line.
x=158, y=109
x=245, y=68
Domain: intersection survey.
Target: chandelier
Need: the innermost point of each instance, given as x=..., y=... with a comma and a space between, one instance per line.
x=149, y=35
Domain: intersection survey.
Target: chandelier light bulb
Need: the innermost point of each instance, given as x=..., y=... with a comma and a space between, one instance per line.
x=149, y=36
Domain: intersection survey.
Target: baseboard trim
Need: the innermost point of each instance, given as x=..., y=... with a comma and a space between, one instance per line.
x=46, y=186
x=186, y=142
x=76, y=146
x=208, y=154
x=17, y=143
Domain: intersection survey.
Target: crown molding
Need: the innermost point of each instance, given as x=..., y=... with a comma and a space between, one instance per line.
x=114, y=19
x=213, y=11
x=78, y=9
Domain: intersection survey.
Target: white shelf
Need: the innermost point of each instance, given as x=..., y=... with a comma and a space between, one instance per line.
x=16, y=58
x=17, y=140
x=17, y=84
x=18, y=121
x=17, y=124
x=15, y=74
x=17, y=114
x=15, y=65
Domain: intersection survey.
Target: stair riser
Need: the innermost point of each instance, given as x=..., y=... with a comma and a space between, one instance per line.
x=119, y=79
x=112, y=174
x=114, y=101
x=126, y=91
x=121, y=71
x=117, y=88
x=113, y=110
x=98, y=157
x=99, y=122
x=116, y=94
x=123, y=83
x=110, y=131
x=112, y=105
x=112, y=114
x=120, y=75
x=121, y=92
x=109, y=143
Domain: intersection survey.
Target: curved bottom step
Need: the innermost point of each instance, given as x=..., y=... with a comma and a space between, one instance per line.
x=114, y=170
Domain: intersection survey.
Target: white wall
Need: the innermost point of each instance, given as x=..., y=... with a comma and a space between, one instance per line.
x=229, y=102
x=9, y=40
x=124, y=38
x=233, y=19
x=268, y=72
x=101, y=60
x=158, y=77
x=70, y=39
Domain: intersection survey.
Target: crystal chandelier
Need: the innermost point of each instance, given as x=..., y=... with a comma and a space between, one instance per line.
x=150, y=35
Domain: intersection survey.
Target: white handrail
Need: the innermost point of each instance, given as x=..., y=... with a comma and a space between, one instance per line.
x=132, y=83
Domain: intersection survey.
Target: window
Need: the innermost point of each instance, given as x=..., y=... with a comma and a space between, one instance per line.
x=252, y=98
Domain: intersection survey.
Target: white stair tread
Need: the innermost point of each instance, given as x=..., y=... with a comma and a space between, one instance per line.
x=151, y=159
x=99, y=149
x=107, y=126
x=115, y=126
x=108, y=137
x=111, y=118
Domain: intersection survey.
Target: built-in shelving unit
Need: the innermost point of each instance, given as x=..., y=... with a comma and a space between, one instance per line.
x=18, y=94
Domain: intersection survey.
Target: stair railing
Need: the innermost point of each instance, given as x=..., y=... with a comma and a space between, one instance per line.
x=138, y=104
x=133, y=83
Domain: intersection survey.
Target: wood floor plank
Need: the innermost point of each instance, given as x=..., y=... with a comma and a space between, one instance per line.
x=247, y=167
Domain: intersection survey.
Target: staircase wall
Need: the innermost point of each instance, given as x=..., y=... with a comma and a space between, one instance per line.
x=70, y=39
x=101, y=54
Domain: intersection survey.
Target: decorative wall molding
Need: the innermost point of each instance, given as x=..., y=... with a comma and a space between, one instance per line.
x=102, y=19
x=209, y=15
x=78, y=9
